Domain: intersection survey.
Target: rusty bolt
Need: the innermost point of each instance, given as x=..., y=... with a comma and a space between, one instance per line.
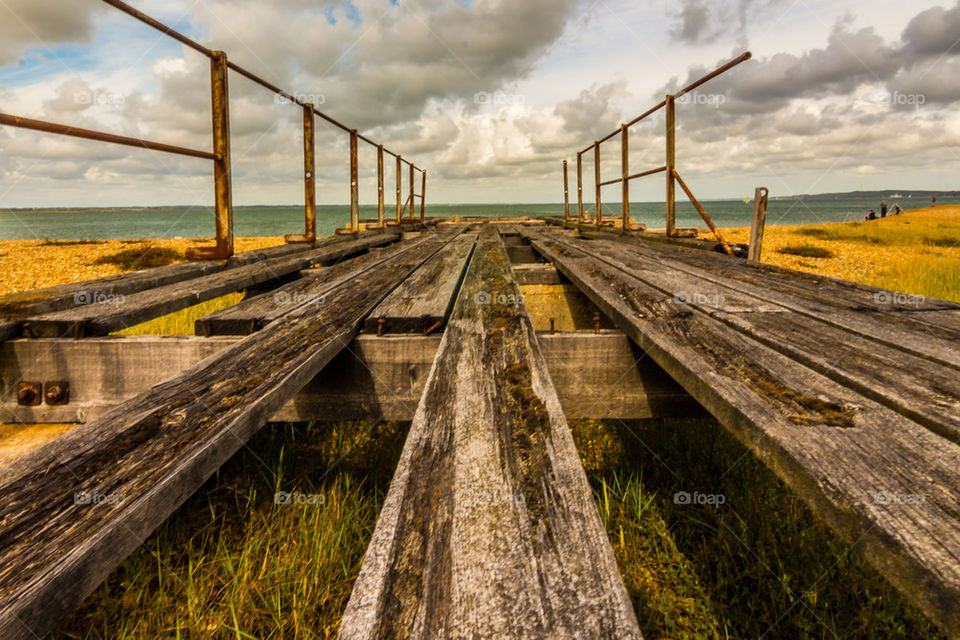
x=552, y=326
x=380, y=322
x=596, y=323
x=29, y=394
x=57, y=392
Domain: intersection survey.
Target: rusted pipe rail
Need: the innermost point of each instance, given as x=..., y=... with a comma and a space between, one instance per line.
x=221, y=143
x=669, y=168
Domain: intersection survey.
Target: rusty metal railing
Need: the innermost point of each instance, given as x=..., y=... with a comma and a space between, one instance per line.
x=669, y=167
x=220, y=155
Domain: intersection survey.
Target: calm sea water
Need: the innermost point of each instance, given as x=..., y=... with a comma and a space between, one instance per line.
x=186, y=222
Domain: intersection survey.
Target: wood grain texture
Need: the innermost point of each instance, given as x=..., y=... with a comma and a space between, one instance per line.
x=257, y=312
x=489, y=529
x=885, y=483
x=112, y=314
x=423, y=301
x=150, y=453
x=927, y=392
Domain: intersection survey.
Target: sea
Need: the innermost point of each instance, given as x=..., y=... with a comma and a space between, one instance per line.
x=198, y=222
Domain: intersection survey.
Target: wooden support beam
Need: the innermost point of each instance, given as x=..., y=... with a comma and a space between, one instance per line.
x=597, y=376
x=98, y=316
x=152, y=452
x=309, y=234
x=422, y=302
x=885, y=483
x=490, y=527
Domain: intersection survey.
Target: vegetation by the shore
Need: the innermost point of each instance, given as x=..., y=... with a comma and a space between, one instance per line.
x=917, y=252
x=232, y=563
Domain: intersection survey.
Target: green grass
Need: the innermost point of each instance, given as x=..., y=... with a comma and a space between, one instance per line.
x=932, y=276
x=181, y=322
x=806, y=251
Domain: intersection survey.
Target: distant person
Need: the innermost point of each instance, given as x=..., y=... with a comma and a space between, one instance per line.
x=897, y=210
x=883, y=209
x=933, y=200
x=871, y=215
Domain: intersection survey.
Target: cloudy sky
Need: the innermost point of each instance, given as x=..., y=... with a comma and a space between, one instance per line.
x=488, y=95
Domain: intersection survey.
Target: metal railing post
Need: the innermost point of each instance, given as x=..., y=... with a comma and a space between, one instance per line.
x=566, y=195
x=309, y=182
x=412, y=192
x=579, y=188
x=625, y=172
x=223, y=193
x=354, y=225
x=596, y=180
x=423, y=193
x=399, y=188
x=671, y=166
x=380, y=222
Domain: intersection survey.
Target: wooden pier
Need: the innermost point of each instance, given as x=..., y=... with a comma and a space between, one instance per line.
x=489, y=528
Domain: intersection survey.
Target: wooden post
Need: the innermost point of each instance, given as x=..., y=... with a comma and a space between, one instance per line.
x=579, y=188
x=671, y=167
x=380, y=222
x=625, y=172
x=309, y=235
x=423, y=193
x=596, y=180
x=223, y=192
x=757, y=224
x=566, y=194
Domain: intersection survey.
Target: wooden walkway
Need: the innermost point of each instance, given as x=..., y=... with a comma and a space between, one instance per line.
x=489, y=528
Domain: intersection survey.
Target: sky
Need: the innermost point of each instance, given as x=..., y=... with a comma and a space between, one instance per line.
x=490, y=96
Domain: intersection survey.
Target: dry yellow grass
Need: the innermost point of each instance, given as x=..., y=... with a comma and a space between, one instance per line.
x=34, y=264
x=917, y=252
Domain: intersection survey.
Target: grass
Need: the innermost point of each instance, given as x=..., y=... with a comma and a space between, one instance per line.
x=181, y=322
x=917, y=252
x=806, y=251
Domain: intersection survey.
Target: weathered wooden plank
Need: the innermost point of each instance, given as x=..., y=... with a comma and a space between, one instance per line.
x=423, y=301
x=59, y=297
x=97, y=317
x=489, y=529
x=146, y=456
x=378, y=378
x=882, y=481
x=537, y=273
x=259, y=311
x=925, y=391
x=849, y=306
